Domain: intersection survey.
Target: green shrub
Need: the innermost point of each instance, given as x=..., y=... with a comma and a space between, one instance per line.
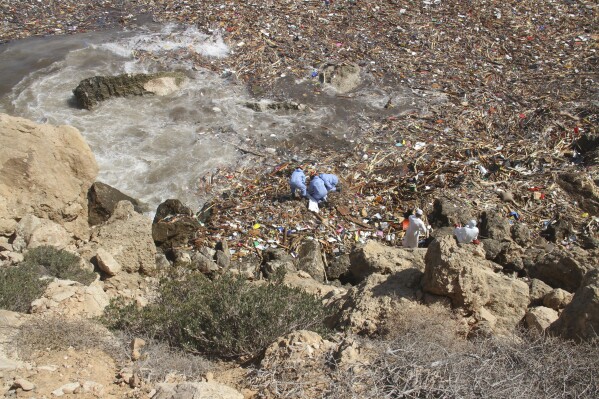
x=58, y=263
x=19, y=286
x=227, y=317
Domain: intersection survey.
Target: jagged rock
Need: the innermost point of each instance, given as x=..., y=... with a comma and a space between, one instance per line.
x=374, y=257
x=32, y=232
x=310, y=260
x=446, y=214
x=127, y=236
x=107, y=263
x=45, y=171
x=462, y=274
x=102, y=199
x=496, y=226
x=368, y=304
x=174, y=225
x=223, y=255
x=70, y=298
x=558, y=231
x=521, y=234
x=580, y=319
x=343, y=77
x=303, y=280
x=557, y=299
x=203, y=264
x=583, y=189
x=274, y=259
x=492, y=248
x=338, y=267
x=93, y=90
x=560, y=269
x=196, y=390
x=537, y=291
x=510, y=257
x=540, y=318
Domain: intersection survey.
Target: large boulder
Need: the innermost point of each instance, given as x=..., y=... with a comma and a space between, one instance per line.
x=196, y=390
x=32, y=232
x=72, y=299
x=127, y=236
x=92, y=91
x=580, y=319
x=102, y=201
x=310, y=260
x=561, y=269
x=447, y=214
x=496, y=226
x=374, y=257
x=464, y=275
x=174, y=225
x=45, y=171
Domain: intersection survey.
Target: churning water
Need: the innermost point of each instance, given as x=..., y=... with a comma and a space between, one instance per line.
x=152, y=148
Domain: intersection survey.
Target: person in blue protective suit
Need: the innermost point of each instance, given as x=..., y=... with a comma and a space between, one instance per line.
x=331, y=182
x=297, y=181
x=317, y=190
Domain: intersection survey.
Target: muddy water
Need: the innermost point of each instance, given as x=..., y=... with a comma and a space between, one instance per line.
x=155, y=148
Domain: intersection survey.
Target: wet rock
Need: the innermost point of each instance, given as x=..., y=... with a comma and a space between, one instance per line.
x=557, y=299
x=102, y=199
x=310, y=260
x=174, y=225
x=580, y=319
x=496, y=226
x=374, y=257
x=92, y=91
x=583, y=189
x=446, y=214
x=263, y=106
x=343, y=77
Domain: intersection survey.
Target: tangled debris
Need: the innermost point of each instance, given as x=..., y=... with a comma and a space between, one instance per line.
x=520, y=116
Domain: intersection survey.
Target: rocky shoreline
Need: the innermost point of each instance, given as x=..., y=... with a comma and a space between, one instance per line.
x=505, y=133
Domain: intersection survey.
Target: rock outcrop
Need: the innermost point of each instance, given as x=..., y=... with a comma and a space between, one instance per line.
x=580, y=319
x=92, y=91
x=45, y=171
x=561, y=269
x=464, y=275
x=102, y=200
x=374, y=257
x=33, y=232
x=127, y=237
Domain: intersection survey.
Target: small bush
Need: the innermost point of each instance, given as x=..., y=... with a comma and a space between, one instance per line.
x=227, y=317
x=58, y=334
x=19, y=286
x=58, y=263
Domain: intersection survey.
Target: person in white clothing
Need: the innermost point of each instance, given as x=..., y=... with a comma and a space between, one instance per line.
x=466, y=234
x=416, y=226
